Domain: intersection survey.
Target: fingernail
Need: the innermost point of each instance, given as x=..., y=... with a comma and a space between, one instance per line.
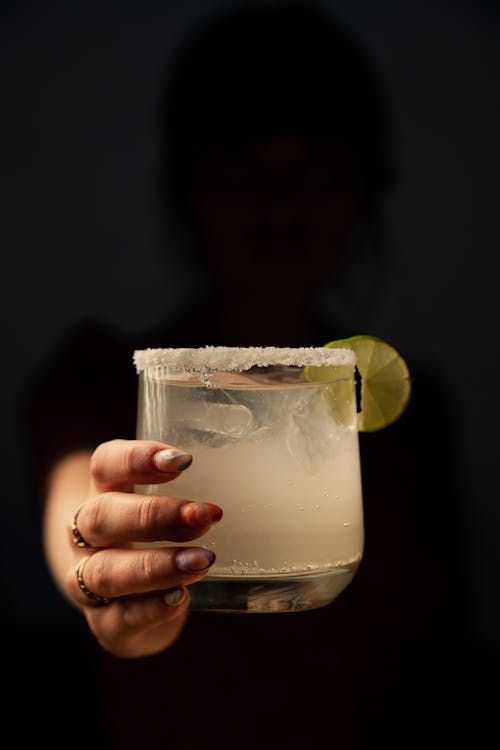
x=198, y=515
x=216, y=513
x=194, y=560
x=174, y=597
x=171, y=459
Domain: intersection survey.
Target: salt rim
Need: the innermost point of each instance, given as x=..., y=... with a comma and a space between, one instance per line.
x=236, y=359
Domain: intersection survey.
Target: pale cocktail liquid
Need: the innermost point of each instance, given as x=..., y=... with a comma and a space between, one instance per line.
x=281, y=458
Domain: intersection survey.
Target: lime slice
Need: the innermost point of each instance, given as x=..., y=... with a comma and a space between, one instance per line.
x=385, y=380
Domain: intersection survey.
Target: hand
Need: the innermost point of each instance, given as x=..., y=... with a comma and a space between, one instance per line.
x=146, y=586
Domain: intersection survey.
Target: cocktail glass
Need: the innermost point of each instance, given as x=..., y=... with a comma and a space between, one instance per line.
x=278, y=450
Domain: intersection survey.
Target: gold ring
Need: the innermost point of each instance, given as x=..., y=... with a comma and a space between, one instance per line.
x=83, y=587
x=77, y=537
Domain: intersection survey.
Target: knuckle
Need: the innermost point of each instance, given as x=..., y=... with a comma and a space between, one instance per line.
x=129, y=458
x=99, y=459
x=97, y=577
x=94, y=517
x=141, y=613
x=149, y=513
x=135, y=457
x=96, y=465
x=128, y=614
x=98, y=462
x=150, y=565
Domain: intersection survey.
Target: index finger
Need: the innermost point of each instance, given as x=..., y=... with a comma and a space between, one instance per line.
x=120, y=464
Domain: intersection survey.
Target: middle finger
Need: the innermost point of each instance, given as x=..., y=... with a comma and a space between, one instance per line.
x=116, y=518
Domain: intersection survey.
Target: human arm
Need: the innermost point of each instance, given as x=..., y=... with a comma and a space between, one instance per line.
x=138, y=621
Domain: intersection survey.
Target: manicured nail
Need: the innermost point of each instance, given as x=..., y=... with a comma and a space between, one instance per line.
x=174, y=597
x=194, y=560
x=170, y=460
x=198, y=515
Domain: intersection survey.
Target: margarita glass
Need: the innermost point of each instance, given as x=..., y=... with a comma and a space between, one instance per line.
x=274, y=438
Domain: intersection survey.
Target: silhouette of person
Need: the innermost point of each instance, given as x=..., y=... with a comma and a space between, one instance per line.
x=275, y=162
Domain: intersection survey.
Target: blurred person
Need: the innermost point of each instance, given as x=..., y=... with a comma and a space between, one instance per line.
x=276, y=164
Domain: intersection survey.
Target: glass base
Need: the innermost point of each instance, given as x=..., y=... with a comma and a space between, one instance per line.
x=294, y=593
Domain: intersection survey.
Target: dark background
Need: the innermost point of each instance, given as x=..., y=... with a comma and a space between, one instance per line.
x=80, y=234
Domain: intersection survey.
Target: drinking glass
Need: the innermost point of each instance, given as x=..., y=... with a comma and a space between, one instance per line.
x=273, y=434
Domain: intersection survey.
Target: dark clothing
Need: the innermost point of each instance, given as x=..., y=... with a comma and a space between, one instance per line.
x=373, y=669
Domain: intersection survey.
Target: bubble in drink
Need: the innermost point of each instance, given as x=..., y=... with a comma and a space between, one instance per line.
x=274, y=452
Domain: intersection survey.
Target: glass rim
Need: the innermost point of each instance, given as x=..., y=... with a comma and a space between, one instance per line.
x=209, y=359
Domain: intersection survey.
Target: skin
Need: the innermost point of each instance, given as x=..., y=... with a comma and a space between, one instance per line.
x=138, y=622
x=298, y=228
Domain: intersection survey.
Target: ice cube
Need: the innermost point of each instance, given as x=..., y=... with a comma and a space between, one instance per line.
x=224, y=420
x=309, y=435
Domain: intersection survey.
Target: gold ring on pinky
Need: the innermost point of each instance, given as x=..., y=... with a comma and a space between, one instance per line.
x=90, y=594
x=77, y=537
